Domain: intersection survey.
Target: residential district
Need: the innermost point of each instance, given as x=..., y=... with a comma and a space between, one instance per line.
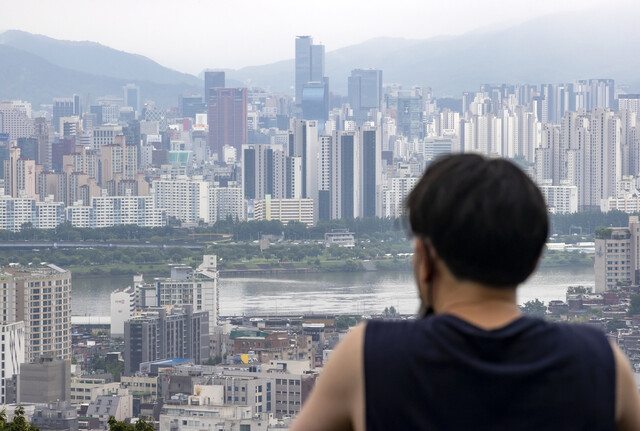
x=247, y=154
x=165, y=353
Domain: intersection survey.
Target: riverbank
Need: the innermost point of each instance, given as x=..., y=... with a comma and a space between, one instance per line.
x=249, y=269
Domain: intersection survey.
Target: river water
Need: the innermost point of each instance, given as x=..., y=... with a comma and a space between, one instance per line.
x=359, y=292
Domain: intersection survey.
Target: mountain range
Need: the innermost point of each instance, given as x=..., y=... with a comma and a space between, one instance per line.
x=556, y=48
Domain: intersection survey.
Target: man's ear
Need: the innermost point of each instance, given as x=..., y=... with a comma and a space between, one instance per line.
x=422, y=264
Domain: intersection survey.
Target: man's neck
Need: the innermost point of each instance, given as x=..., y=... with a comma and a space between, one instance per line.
x=483, y=306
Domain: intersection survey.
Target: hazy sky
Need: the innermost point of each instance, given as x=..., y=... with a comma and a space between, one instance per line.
x=191, y=35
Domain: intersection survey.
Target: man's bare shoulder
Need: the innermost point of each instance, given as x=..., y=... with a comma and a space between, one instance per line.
x=337, y=401
x=627, y=398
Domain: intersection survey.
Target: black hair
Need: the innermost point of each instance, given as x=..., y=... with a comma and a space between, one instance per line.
x=485, y=218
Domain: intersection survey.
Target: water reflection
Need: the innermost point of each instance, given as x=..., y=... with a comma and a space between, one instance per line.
x=361, y=293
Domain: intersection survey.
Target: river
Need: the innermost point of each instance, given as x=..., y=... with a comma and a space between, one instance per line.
x=358, y=292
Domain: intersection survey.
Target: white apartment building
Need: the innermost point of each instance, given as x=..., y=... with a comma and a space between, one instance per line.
x=198, y=288
x=15, y=119
x=560, y=199
x=117, y=210
x=48, y=214
x=183, y=199
x=629, y=204
x=225, y=202
x=395, y=192
x=79, y=215
x=13, y=353
x=192, y=200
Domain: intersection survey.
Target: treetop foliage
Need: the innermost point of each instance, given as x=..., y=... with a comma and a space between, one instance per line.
x=19, y=422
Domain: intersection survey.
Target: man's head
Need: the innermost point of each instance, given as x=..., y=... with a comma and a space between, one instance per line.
x=485, y=219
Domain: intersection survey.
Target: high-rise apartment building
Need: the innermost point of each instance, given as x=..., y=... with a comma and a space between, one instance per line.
x=597, y=161
x=263, y=171
x=15, y=119
x=19, y=175
x=617, y=257
x=197, y=288
x=163, y=333
x=43, y=302
x=227, y=119
x=225, y=203
x=183, y=199
x=119, y=161
x=395, y=192
x=305, y=146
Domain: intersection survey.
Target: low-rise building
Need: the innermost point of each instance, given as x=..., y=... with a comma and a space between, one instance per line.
x=45, y=381
x=146, y=388
x=86, y=388
x=340, y=237
x=119, y=406
x=59, y=416
x=284, y=210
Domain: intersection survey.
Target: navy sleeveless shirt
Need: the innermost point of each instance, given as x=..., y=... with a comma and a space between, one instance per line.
x=442, y=373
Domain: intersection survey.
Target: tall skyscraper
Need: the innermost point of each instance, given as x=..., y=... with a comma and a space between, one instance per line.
x=132, y=96
x=309, y=65
x=212, y=81
x=409, y=115
x=62, y=107
x=315, y=101
x=227, y=119
x=345, y=175
x=365, y=93
x=305, y=146
x=371, y=172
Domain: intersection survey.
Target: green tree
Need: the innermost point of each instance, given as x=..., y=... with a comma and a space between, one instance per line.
x=345, y=322
x=534, y=308
x=140, y=425
x=615, y=324
x=19, y=422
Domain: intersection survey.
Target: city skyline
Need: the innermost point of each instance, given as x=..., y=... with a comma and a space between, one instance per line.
x=199, y=45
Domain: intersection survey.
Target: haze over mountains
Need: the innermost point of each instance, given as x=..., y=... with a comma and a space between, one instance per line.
x=558, y=48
